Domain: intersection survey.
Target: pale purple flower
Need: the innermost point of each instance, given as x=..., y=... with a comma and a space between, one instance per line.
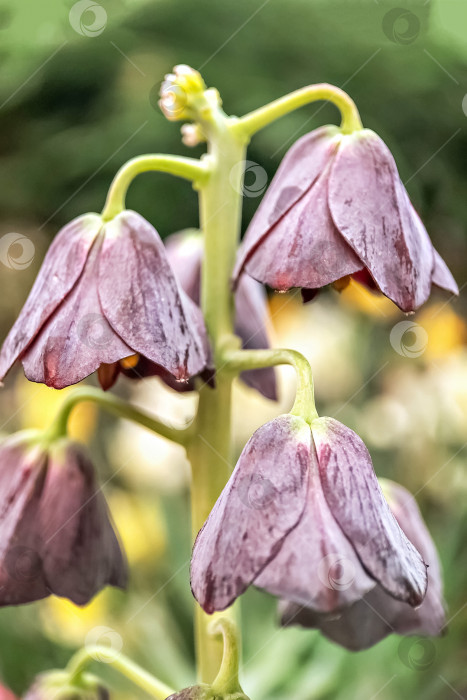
x=300, y=500
x=377, y=614
x=185, y=253
x=105, y=292
x=55, y=531
x=337, y=207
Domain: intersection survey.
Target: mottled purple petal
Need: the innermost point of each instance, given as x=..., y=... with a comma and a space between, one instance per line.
x=60, y=271
x=300, y=168
x=80, y=551
x=355, y=499
x=77, y=338
x=22, y=469
x=251, y=321
x=185, y=253
x=316, y=566
x=372, y=211
x=142, y=301
x=429, y=618
x=262, y=502
x=442, y=277
x=357, y=627
x=304, y=248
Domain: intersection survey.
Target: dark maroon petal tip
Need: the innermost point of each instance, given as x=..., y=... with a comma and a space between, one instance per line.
x=357, y=503
x=262, y=502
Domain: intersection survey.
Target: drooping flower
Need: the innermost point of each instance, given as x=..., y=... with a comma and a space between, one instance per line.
x=336, y=208
x=185, y=251
x=56, y=685
x=55, y=531
x=300, y=500
x=376, y=615
x=105, y=292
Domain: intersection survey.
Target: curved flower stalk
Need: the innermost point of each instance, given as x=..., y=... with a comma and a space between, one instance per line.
x=335, y=208
x=368, y=620
x=185, y=254
x=55, y=531
x=301, y=497
x=106, y=292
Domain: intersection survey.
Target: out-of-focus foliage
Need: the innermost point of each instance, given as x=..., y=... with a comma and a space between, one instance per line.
x=73, y=108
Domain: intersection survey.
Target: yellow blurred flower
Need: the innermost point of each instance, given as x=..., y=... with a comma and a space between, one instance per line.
x=39, y=404
x=447, y=332
x=67, y=623
x=361, y=298
x=140, y=524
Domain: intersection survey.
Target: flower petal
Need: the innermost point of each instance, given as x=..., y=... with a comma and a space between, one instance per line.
x=262, y=502
x=77, y=338
x=80, y=551
x=316, y=566
x=371, y=209
x=142, y=301
x=251, y=320
x=357, y=503
x=442, y=276
x=304, y=248
x=60, y=271
x=300, y=168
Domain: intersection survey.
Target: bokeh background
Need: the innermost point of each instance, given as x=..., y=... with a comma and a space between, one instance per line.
x=78, y=97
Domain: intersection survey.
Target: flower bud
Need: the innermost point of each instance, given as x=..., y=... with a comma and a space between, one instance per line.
x=56, y=685
x=178, y=91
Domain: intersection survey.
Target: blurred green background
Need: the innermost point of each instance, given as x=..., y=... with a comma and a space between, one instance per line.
x=75, y=103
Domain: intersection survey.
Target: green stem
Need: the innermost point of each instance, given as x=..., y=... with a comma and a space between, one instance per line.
x=118, y=407
x=239, y=360
x=209, y=450
x=226, y=681
x=209, y=453
x=188, y=168
x=254, y=121
x=137, y=675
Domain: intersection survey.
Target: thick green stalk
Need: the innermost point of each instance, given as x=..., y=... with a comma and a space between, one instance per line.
x=209, y=451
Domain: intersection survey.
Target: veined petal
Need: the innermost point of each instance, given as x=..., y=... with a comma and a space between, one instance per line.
x=316, y=566
x=372, y=211
x=142, y=301
x=304, y=248
x=442, y=277
x=251, y=321
x=60, y=271
x=299, y=169
x=262, y=502
x=76, y=531
x=357, y=503
x=77, y=338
